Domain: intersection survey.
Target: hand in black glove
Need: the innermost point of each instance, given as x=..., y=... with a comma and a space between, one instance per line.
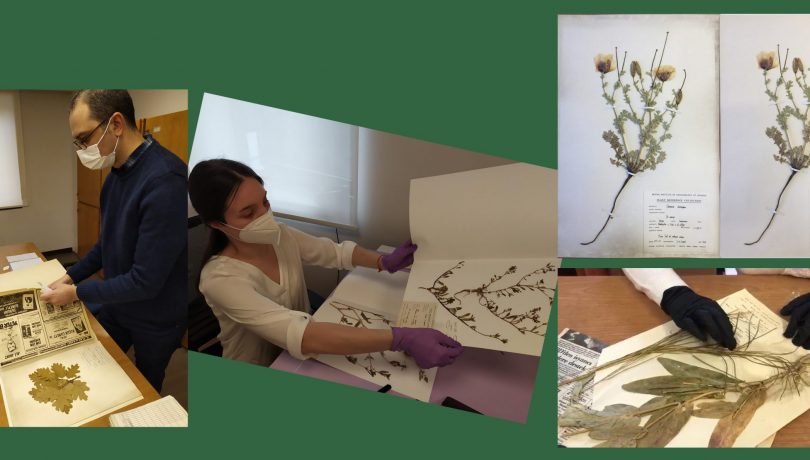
x=699, y=315
x=799, y=325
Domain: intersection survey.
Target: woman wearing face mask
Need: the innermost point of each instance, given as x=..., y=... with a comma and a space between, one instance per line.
x=253, y=279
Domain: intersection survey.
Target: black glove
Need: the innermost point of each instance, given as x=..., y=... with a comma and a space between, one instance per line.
x=698, y=315
x=799, y=325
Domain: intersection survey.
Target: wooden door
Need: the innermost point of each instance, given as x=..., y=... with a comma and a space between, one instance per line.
x=88, y=219
x=171, y=130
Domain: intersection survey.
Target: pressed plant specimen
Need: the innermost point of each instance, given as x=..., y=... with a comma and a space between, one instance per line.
x=782, y=94
x=356, y=317
x=494, y=296
x=637, y=109
x=688, y=391
x=58, y=385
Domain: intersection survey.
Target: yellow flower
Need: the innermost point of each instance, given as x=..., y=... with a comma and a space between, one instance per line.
x=604, y=63
x=766, y=60
x=798, y=65
x=665, y=72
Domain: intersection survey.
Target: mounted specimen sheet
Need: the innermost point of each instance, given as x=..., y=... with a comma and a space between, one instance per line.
x=54, y=372
x=765, y=126
x=385, y=367
x=482, y=273
x=638, y=109
x=700, y=399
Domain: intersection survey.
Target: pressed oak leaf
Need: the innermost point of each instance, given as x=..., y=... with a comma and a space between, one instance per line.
x=60, y=386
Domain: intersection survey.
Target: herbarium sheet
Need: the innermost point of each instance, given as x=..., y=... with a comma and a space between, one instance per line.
x=765, y=103
x=638, y=137
x=482, y=273
x=54, y=371
x=720, y=399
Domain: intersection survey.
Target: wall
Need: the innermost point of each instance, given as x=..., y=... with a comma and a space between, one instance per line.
x=49, y=220
x=151, y=103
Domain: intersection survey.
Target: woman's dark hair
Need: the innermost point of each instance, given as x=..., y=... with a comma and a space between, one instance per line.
x=211, y=186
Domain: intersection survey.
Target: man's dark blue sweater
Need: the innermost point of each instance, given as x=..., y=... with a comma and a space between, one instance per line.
x=142, y=247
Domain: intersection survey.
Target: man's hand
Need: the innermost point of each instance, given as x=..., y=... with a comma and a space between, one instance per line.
x=63, y=280
x=699, y=315
x=799, y=326
x=60, y=294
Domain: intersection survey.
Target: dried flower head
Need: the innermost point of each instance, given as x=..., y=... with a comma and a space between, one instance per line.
x=635, y=69
x=798, y=65
x=665, y=72
x=766, y=60
x=604, y=63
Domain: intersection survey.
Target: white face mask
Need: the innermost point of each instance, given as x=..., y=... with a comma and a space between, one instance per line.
x=263, y=230
x=91, y=156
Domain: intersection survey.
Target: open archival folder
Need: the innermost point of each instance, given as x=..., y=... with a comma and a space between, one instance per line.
x=53, y=370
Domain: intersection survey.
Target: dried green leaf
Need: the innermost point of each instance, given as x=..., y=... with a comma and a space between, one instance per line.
x=667, y=385
x=682, y=369
x=611, y=418
x=617, y=432
x=729, y=428
x=578, y=388
x=664, y=424
x=619, y=442
x=715, y=409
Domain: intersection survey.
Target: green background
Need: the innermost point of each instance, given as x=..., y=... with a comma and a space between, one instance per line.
x=472, y=75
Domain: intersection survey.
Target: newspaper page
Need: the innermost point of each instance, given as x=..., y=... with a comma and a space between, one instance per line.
x=30, y=327
x=576, y=353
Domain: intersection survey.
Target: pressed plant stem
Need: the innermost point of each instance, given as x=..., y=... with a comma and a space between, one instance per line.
x=778, y=202
x=612, y=208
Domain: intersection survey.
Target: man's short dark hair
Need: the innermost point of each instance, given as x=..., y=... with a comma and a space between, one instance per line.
x=103, y=103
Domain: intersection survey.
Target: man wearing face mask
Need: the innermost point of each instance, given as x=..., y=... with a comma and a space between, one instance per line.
x=142, y=247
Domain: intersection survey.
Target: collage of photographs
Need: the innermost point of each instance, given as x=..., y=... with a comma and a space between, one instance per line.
x=139, y=227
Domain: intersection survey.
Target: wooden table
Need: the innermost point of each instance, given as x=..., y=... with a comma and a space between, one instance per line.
x=146, y=389
x=610, y=309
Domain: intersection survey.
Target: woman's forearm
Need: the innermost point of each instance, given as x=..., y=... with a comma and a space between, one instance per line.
x=362, y=257
x=337, y=339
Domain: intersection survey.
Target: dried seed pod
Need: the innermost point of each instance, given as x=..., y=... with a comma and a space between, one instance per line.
x=798, y=65
x=635, y=69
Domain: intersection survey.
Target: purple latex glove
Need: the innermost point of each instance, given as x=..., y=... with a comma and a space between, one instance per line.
x=402, y=257
x=428, y=347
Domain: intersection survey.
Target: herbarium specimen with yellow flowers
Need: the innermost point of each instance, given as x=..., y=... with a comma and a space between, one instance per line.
x=644, y=106
x=790, y=113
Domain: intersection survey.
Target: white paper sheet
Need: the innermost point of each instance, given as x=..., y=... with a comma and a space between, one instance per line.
x=498, y=224
x=588, y=181
x=382, y=368
x=752, y=179
x=470, y=301
x=491, y=213
x=680, y=224
x=20, y=261
x=110, y=388
x=772, y=416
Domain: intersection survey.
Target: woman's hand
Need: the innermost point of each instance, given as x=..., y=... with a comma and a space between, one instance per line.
x=402, y=257
x=428, y=347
